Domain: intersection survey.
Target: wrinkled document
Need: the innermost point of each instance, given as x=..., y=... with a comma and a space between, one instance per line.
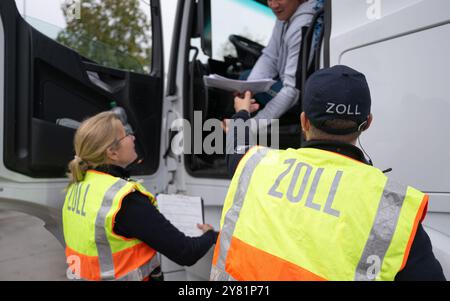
x=254, y=86
x=184, y=212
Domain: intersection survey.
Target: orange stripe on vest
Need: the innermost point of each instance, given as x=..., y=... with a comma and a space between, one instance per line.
x=256, y=265
x=125, y=262
x=89, y=268
x=130, y=259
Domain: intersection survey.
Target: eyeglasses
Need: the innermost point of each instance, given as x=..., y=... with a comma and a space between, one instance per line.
x=119, y=140
x=126, y=135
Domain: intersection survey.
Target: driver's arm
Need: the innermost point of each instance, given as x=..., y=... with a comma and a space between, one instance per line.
x=288, y=95
x=266, y=66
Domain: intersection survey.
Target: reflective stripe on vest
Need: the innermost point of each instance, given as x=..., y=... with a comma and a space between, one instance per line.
x=88, y=231
x=104, y=249
x=384, y=244
x=220, y=275
x=142, y=272
x=383, y=228
x=232, y=215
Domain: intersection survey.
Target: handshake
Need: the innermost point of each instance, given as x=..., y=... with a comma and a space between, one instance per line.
x=242, y=103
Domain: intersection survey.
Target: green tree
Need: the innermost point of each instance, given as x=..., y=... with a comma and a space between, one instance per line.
x=114, y=33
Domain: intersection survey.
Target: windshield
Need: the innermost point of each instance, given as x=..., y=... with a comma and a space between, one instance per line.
x=250, y=19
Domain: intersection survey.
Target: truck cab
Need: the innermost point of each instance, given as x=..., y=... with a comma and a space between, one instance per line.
x=49, y=82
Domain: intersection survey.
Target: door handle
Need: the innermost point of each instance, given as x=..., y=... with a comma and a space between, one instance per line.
x=109, y=80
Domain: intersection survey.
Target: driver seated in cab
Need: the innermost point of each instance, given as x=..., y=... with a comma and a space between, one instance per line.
x=279, y=59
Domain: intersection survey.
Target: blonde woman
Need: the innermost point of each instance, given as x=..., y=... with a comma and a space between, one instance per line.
x=112, y=227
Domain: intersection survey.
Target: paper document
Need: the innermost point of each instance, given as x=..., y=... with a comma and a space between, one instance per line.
x=255, y=86
x=184, y=212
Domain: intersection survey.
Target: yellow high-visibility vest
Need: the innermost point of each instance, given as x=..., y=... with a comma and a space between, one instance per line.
x=310, y=214
x=93, y=250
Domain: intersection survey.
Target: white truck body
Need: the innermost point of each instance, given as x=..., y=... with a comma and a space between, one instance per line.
x=402, y=46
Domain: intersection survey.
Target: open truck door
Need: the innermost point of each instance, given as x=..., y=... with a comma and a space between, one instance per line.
x=43, y=82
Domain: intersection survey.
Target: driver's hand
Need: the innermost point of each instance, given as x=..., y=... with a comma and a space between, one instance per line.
x=205, y=227
x=246, y=103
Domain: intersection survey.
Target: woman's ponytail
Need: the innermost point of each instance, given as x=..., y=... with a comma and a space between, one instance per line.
x=77, y=170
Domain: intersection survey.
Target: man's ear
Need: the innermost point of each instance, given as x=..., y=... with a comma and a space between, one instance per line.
x=304, y=122
x=369, y=122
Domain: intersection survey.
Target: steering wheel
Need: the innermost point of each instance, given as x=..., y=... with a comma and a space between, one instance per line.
x=247, y=50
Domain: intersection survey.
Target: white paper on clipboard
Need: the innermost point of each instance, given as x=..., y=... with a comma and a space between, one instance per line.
x=184, y=212
x=227, y=84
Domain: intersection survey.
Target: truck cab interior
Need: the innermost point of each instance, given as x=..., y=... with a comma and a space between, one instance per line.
x=218, y=104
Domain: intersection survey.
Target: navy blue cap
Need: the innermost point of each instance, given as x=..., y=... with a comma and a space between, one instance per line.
x=339, y=92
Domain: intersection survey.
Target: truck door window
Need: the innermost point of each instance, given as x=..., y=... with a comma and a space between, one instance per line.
x=112, y=33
